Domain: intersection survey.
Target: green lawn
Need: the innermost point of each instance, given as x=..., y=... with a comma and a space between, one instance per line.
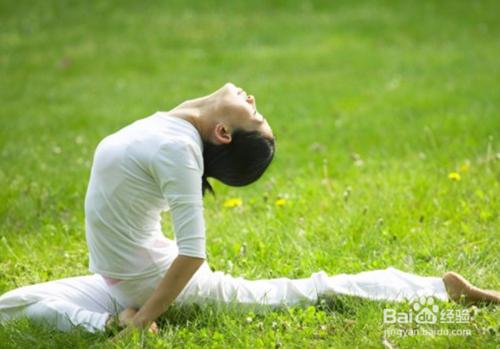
x=373, y=103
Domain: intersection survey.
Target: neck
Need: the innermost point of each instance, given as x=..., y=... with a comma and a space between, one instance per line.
x=197, y=112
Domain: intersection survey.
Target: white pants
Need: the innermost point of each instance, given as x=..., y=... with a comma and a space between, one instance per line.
x=88, y=301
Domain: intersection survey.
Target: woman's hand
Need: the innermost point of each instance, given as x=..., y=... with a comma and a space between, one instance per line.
x=122, y=320
x=126, y=320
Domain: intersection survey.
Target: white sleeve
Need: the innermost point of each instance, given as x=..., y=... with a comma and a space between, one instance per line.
x=178, y=171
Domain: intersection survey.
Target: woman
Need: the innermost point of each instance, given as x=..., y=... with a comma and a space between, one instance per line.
x=163, y=162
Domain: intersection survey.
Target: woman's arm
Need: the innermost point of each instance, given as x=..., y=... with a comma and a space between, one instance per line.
x=178, y=168
x=174, y=281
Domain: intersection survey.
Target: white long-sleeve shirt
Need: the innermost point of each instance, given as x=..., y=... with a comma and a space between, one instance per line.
x=150, y=166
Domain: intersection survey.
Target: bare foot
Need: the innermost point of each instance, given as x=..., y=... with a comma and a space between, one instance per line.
x=462, y=291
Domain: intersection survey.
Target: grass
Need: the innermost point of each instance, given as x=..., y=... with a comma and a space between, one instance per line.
x=373, y=105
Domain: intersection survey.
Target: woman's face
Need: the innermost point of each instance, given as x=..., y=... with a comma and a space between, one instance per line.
x=240, y=110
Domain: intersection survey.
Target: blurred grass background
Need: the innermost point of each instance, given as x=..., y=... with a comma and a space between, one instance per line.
x=373, y=104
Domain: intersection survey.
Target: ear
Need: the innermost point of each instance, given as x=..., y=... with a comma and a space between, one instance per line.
x=221, y=134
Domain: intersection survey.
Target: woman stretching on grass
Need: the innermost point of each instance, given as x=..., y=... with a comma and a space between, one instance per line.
x=162, y=162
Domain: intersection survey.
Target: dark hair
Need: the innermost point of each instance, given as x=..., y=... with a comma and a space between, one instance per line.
x=238, y=163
